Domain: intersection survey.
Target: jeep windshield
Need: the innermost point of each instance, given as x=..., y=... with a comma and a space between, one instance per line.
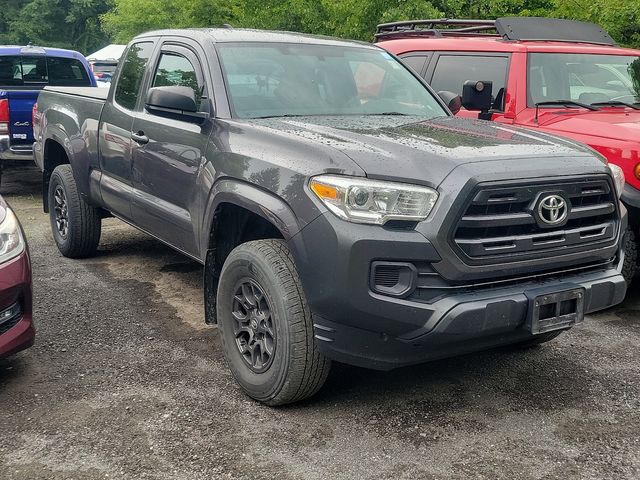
x=284, y=80
x=589, y=79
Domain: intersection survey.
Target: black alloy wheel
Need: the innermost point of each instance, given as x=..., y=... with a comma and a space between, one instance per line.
x=61, y=211
x=254, y=329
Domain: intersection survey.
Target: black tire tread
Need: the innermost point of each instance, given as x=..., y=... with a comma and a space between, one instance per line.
x=84, y=233
x=308, y=369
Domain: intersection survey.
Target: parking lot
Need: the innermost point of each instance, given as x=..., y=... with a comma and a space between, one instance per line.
x=125, y=381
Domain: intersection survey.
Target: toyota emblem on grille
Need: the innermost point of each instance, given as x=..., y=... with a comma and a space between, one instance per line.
x=553, y=209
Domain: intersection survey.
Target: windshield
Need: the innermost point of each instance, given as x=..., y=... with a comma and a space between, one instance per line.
x=18, y=71
x=276, y=80
x=584, y=78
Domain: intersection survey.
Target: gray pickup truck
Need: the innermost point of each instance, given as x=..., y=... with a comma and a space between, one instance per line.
x=339, y=209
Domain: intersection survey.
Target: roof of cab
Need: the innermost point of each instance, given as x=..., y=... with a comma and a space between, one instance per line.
x=224, y=35
x=36, y=50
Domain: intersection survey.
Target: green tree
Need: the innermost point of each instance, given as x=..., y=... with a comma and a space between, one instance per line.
x=356, y=18
x=61, y=23
x=130, y=17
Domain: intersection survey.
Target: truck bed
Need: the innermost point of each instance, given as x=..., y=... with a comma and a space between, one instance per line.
x=76, y=111
x=94, y=93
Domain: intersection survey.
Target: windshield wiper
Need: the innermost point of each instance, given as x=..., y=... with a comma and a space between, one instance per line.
x=390, y=114
x=286, y=115
x=564, y=103
x=617, y=103
x=567, y=103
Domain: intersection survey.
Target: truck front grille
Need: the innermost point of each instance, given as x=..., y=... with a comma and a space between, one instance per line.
x=507, y=222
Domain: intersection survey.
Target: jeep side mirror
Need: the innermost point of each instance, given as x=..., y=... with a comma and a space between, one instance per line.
x=452, y=100
x=174, y=101
x=476, y=95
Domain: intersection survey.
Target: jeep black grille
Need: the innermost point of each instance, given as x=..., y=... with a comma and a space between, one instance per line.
x=501, y=222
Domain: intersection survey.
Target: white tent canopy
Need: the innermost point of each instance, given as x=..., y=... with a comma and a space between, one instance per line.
x=110, y=52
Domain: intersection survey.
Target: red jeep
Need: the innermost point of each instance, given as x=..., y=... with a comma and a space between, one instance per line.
x=558, y=76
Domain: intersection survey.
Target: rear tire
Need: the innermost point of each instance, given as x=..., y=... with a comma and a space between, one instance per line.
x=630, y=265
x=76, y=225
x=265, y=325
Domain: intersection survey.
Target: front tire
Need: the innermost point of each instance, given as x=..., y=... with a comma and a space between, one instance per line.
x=265, y=325
x=76, y=225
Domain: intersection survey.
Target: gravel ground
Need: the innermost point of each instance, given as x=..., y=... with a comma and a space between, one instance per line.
x=125, y=381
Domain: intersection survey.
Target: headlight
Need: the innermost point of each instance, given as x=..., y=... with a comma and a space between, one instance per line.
x=11, y=241
x=618, y=177
x=369, y=201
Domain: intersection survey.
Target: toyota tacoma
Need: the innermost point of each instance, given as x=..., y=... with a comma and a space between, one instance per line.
x=339, y=209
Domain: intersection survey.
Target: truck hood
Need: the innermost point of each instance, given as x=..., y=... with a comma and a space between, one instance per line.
x=421, y=151
x=619, y=124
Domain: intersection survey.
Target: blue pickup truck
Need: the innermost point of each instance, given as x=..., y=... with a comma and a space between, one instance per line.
x=24, y=71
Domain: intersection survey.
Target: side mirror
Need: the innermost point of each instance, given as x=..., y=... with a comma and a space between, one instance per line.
x=453, y=101
x=173, y=101
x=476, y=95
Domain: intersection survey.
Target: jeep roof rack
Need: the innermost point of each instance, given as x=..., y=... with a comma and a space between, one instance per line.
x=508, y=28
x=436, y=28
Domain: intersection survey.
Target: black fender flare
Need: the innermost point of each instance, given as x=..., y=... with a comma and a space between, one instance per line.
x=254, y=199
x=76, y=160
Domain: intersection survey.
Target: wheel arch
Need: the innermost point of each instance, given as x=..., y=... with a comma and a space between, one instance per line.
x=60, y=149
x=236, y=213
x=54, y=154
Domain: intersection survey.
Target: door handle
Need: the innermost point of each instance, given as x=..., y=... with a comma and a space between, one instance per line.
x=140, y=138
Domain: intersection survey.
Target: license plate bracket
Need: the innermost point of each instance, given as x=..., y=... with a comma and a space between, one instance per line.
x=553, y=310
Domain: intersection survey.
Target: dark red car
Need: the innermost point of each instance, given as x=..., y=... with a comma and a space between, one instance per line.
x=555, y=76
x=16, y=327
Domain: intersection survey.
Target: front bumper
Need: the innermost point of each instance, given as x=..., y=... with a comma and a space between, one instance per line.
x=14, y=152
x=15, y=288
x=357, y=326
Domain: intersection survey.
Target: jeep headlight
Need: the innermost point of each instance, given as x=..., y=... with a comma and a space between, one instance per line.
x=11, y=241
x=618, y=178
x=370, y=201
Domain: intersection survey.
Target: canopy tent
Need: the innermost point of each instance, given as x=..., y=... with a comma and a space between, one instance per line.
x=110, y=52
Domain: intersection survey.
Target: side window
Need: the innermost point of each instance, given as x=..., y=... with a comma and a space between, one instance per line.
x=452, y=71
x=415, y=62
x=176, y=70
x=132, y=74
